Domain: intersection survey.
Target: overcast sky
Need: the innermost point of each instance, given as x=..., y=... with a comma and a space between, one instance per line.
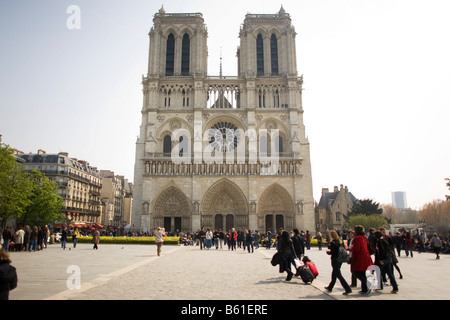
x=376, y=80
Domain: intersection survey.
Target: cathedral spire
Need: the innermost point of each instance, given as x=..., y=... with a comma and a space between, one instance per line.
x=220, y=62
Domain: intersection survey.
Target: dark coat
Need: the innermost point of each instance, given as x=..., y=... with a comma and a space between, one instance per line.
x=8, y=279
x=299, y=245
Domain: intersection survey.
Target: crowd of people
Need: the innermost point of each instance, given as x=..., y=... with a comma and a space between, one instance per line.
x=375, y=250
x=25, y=239
x=37, y=238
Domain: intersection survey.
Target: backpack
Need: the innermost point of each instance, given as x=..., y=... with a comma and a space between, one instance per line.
x=343, y=255
x=370, y=248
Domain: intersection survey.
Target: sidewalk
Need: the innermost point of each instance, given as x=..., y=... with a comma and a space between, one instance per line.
x=135, y=272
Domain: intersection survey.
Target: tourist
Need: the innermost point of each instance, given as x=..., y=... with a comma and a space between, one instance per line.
x=319, y=240
x=216, y=236
x=361, y=259
x=64, y=235
x=286, y=249
x=201, y=236
x=221, y=238
x=249, y=240
x=26, y=240
x=308, y=240
x=240, y=238
x=391, y=242
x=409, y=244
x=19, y=237
x=96, y=239
x=34, y=239
x=208, y=238
x=398, y=242
x=256, y=239
x=232, y=238
x=75, y=236
x=269, y=238
x=46, y=233
x=7, y=237
x=298, y=243
x=351, y=236
x=383, y=258
x=333, y=250
x=159, y=234
x=436, y=245
x=8, y=275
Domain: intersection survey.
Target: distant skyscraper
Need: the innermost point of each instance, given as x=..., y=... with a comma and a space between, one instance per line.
x=399, y=200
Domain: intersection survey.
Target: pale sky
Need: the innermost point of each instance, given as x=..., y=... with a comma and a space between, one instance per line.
x=376, y=80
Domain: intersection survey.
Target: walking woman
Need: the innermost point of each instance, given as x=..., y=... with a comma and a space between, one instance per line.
x=75, y=236
x=336, y=265
x=286, y=248
x=159, y=233
x=96, y=239
x=360, y=257
x=436, y=245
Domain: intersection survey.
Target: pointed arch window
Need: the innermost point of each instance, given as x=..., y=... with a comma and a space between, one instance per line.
x=183, y=145
x=274, y=54
x=170, y=55
x=278, y=144
x=185, y=54
x=260, y=54
x=167, y=146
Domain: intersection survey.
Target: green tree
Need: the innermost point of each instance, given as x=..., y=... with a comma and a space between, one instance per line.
x=365, y=207
x=368, y=221
x=45, y=204
x=14, y=186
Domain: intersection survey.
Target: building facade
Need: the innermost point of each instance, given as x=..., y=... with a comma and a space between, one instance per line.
x=332, y=209
x=79, y=184
x=116, y=196
x=222, y=151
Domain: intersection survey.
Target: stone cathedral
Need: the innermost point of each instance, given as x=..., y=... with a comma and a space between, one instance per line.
x=222, y=151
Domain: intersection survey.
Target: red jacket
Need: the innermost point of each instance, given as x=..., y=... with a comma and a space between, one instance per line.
x=233, y=236
x=361, y=259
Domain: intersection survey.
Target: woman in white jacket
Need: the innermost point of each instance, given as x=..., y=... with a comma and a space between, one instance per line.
x=208, y=238
x=159, y=233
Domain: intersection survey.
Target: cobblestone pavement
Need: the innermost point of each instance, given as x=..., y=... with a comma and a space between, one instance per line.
x=135, y=272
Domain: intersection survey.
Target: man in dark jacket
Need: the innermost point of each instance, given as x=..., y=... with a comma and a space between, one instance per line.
x=384, y=258
x=299, y=244
x=8, y=275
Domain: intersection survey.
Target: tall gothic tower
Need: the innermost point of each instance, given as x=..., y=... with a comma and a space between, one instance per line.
x=222, y=151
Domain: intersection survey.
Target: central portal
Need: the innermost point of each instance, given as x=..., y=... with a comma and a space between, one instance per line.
x=224, y=207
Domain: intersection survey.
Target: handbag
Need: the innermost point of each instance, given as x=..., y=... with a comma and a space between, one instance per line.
x=343, y=255
x=298, y=263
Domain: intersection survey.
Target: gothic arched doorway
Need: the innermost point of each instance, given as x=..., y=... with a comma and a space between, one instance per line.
x=224, y=200
x=172, y=210
x=275, y=209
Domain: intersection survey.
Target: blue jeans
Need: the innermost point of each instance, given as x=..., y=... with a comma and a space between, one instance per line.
x=202, y=243
x=208, y=243
x=249, y=244
x=33, y=245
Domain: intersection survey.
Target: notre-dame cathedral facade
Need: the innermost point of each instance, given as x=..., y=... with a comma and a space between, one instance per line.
x=222, y=151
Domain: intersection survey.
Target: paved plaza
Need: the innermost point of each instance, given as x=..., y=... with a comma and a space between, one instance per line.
x=135, y=272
